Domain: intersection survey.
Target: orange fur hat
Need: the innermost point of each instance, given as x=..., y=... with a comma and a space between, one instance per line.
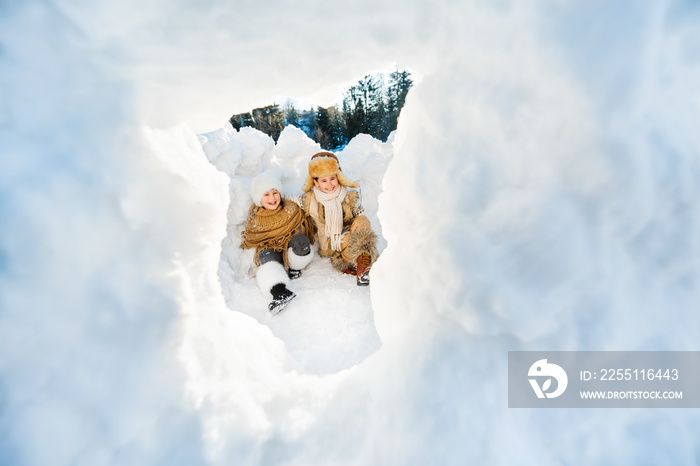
x=326, y=164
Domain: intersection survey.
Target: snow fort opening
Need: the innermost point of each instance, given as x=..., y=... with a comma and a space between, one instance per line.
x=329, y=326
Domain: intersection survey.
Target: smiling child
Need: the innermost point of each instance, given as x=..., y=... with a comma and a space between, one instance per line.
x=282, y=236
x=345, y=235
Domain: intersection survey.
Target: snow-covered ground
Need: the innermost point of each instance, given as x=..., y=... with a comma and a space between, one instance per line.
x=539, y=193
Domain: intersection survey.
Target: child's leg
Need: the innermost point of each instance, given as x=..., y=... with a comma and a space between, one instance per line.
x=360, y=239
x=299, y=254
x=268, y=255
x=300, y=245
x=361, y=222
x=359, y=248
x=273, y=279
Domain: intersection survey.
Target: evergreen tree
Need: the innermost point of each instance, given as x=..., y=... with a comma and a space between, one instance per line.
x=241, y=120
x=269, y=120
x=382, y=123
x=291, y=116
x=323, y=128
x=310, y=126
x=330, y=129
x=354, y=115
x=364, y=108
x=400, y=83
x=371, y=107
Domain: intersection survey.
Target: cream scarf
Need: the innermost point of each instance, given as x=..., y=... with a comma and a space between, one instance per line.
x=332, y=205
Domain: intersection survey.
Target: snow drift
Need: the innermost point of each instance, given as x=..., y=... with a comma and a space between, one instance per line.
x=540, y=194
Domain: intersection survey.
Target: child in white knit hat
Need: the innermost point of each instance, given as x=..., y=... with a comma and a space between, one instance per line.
x=281, y=234
x=345, y=235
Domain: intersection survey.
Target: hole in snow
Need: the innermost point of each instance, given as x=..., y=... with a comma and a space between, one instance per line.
x=329, y=326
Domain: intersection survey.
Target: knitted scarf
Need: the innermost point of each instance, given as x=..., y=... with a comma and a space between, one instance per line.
x=333, y=209
x=272, y=229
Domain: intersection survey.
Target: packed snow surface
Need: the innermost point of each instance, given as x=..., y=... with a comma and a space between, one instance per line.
x=540, y=193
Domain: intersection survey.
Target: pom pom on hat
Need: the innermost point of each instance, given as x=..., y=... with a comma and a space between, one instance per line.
x=262, y=184
x=325, y=164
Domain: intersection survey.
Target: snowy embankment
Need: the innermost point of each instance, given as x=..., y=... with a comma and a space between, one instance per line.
x=330, y=325
x=542, y=193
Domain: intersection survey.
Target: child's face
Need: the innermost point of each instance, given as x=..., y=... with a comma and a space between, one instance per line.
x=327, y=184
x=271, y=199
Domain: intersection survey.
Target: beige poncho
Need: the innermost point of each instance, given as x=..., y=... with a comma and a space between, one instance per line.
x=272, y=229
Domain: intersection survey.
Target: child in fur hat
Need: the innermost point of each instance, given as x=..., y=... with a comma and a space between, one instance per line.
x=344, y=234
x=282, y=236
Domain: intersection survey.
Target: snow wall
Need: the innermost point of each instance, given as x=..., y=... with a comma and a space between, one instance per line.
x=542, y=195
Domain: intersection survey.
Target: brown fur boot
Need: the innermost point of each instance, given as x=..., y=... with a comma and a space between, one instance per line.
x=339, y=263
x=361, y=242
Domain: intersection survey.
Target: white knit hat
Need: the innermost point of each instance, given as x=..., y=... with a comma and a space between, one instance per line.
x=262, y=184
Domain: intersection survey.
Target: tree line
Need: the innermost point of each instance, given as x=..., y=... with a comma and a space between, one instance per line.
x=372, y=106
